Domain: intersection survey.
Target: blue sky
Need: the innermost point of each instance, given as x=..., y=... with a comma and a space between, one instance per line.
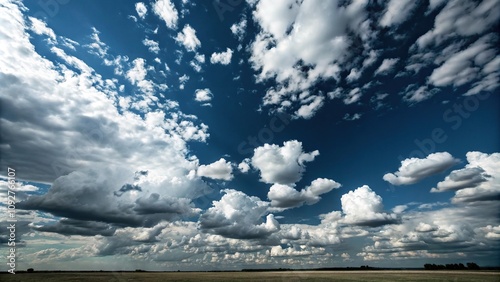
x=189, y=135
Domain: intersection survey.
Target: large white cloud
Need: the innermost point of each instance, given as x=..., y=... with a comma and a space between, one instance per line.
x=220, y=169
x=414, y=169
x=95, y=145
x=282, y=165
x=238, y=215
x=284, y=196
x=364, y=207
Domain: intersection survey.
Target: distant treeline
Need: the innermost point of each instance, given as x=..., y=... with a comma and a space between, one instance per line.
x=452, y=266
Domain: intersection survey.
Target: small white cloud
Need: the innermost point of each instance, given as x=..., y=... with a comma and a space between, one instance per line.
x=182, y=81
x=223, y=58
x=386, y=66
x=309, y=110
x=220, y=169
x=152, y=45
x=141, y=9
x=244, y=166
x=364, y=207
x=282, y=165
x=238, y=29
x=39, y=27
x=285, y=197
x=187, y=37
x=203, y=95
x=414, y=169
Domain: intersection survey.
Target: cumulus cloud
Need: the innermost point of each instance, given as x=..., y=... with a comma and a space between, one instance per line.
x=187, y=37
x=165, y=9
x=220, y=169
x=238, y=215
x=89, y=130
x=238, y=29
x=141, y=10
x=203, y=95
x=364, y=208
x=479, y=180
x=414, y=169
x=223, y=58
x=244, y=166
x=442, y=233
x=285, y=197
x=282, y=165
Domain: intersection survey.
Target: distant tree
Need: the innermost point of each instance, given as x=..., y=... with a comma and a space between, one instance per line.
x=461, y=266
x=472, y=266
x=30, y=270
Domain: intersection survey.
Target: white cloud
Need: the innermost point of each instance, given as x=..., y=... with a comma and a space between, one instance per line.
x=152, y=45
x=238, y=215
x=479, y=180
x=363, y=207
x=416, y=95
x=187, y=37
x=141, y=9
x=239, y=29
x=353, y=96
x=165, y=9
x=220, y=169
x=309, y=110
x=302, y=43
x=461, y=18
x=397, y=12
x=285, y=197
x=182, y=81
x=223, y=58
x=244, y=166
x=203, y=95
x=282, y=165
x=414, y=169
x=40, y=27
x=463, y=67
x=386, y=66
x=95, y=148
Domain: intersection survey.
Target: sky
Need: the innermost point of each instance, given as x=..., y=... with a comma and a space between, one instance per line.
x=231, y=134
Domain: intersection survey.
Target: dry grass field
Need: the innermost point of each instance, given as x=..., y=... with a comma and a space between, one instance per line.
x=406, y=276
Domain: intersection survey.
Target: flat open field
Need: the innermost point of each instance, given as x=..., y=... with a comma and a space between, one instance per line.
x=397, y=275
